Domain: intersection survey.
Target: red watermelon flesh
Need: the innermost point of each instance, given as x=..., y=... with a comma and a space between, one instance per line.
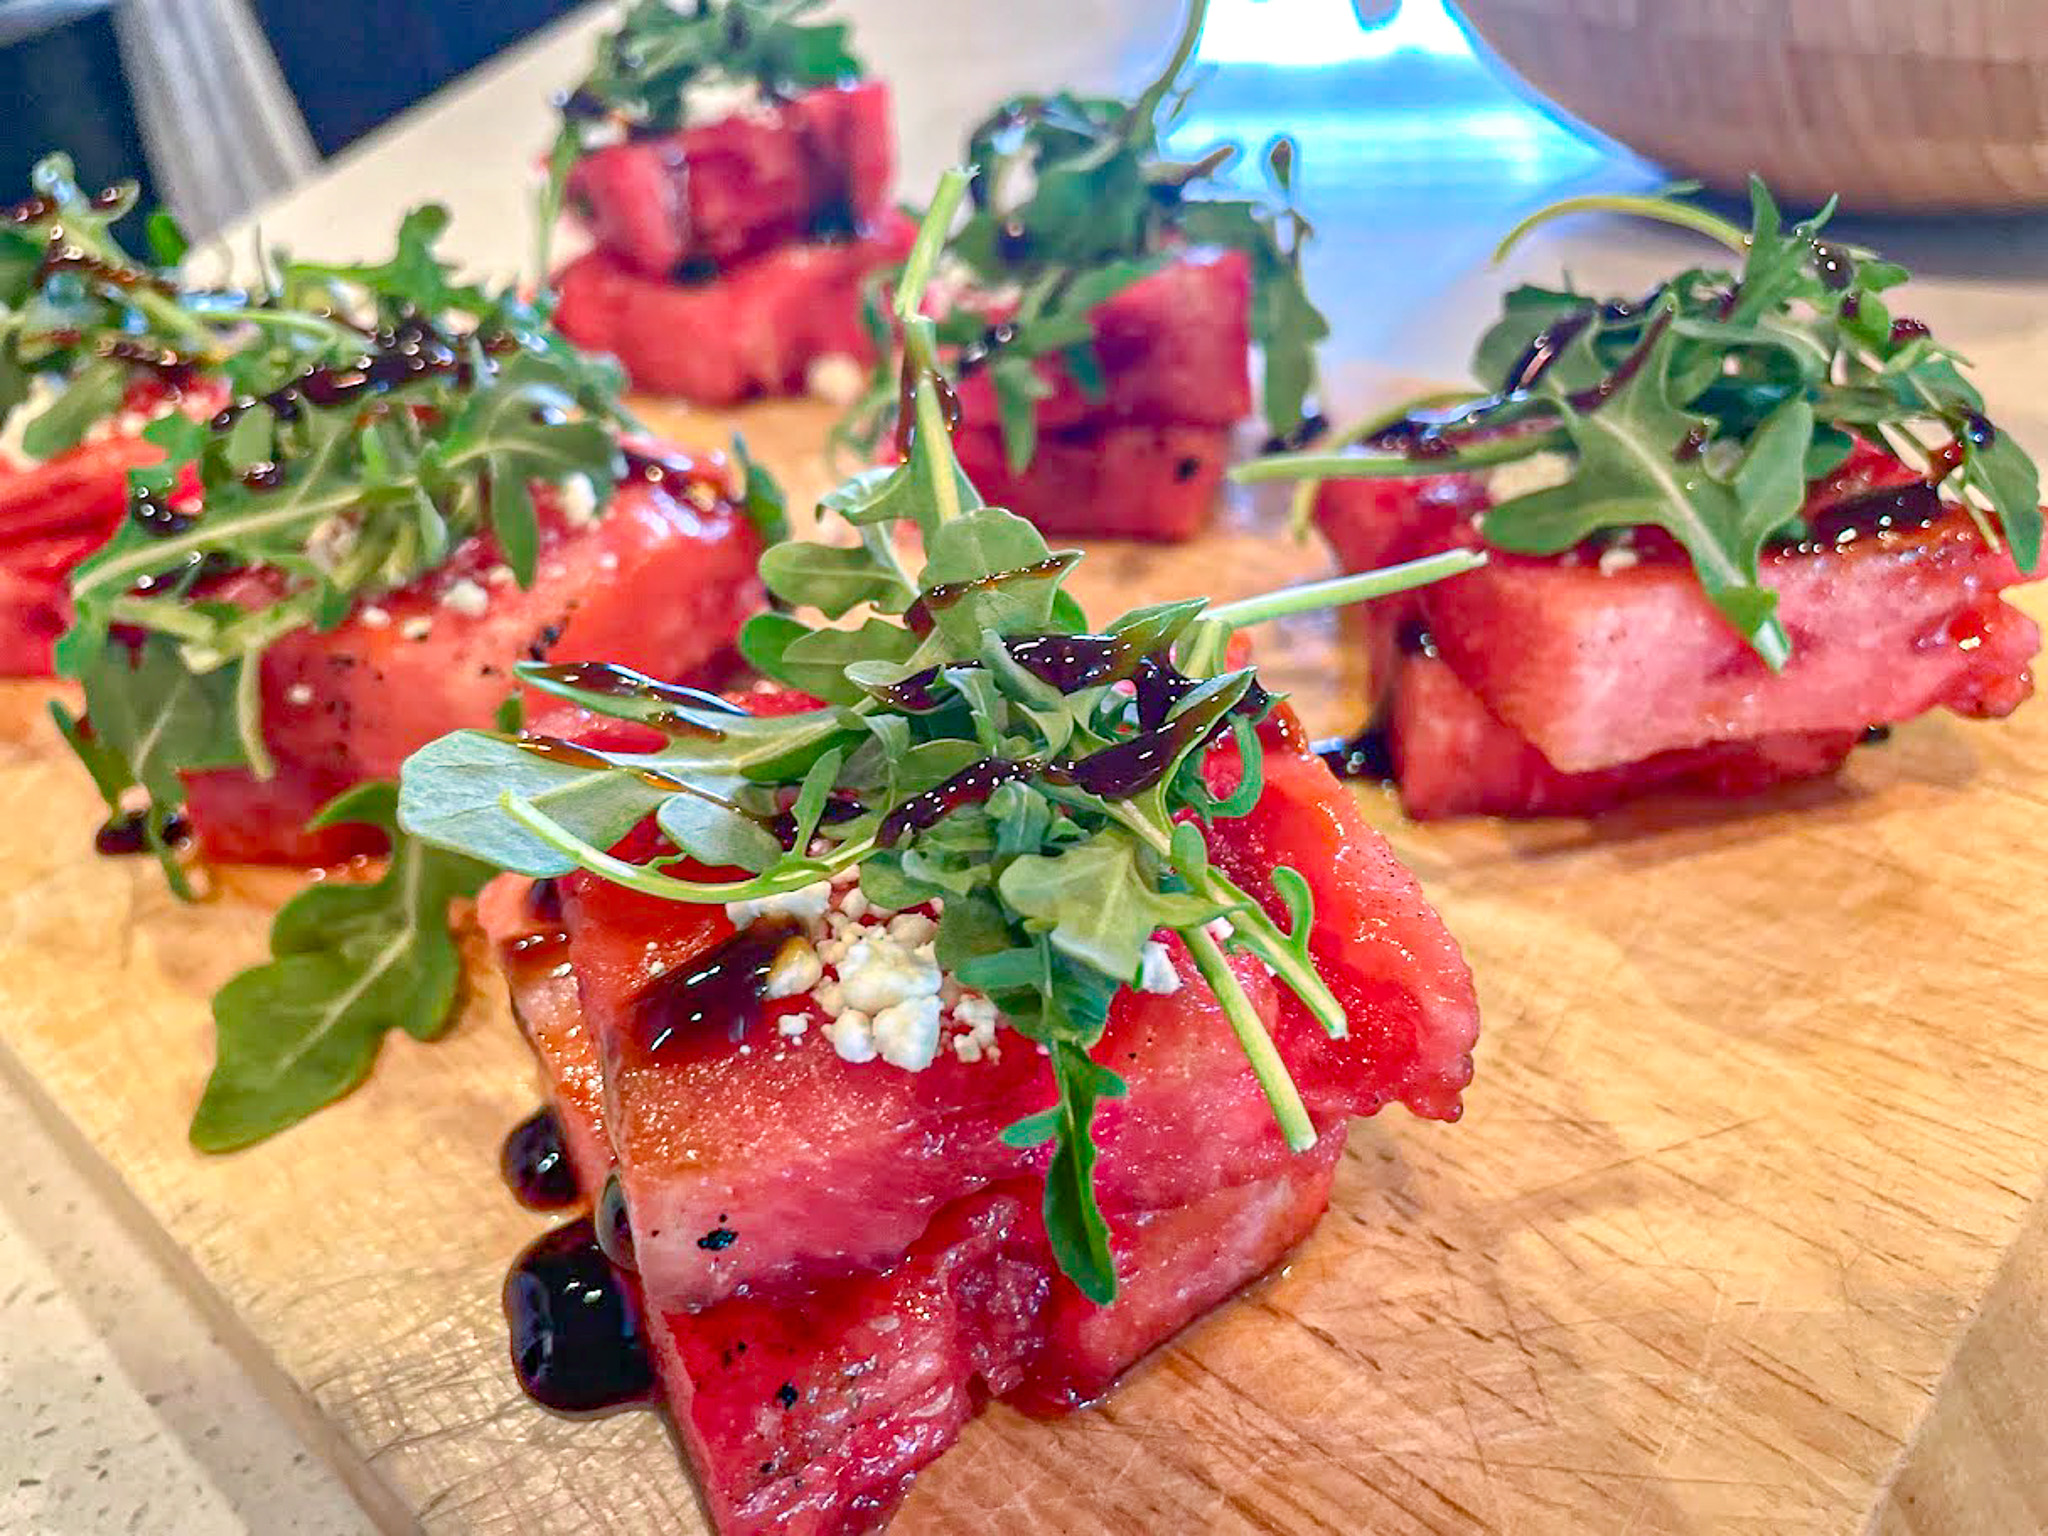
x=1146, y=459
x=813, y=1414
x=54, y=514
x=1114, y=480
x=1174, y=347
x=752, y=330
x=712, y=1134
x=661, y=581
x=1607, y=669
x=741, y=185
x=1451, y=757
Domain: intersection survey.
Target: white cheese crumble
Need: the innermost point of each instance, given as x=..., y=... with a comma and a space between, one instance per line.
x=805, y=905
x=835, y=378
x=1617, y=557
x=713, y=97
x=907, y=1033
x=579, y=501
x=374, y=617
x=332, y=541
x=795, y=969
x=299, y=693
x=467, y=598
x=417, y=627
x=1155, y=970
x=500, y=575
x=878, y=973
x=852, y=1036
x=1518, y=477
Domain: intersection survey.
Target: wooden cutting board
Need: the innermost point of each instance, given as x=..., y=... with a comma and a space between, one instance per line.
x=1743, y=1230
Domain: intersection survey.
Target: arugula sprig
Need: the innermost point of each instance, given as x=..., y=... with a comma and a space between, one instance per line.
x=1704, y=409
x=76, y=308
x=383, y=413
x=1075, y=199
x=982, y=747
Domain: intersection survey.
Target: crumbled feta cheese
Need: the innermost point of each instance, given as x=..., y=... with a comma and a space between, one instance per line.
x=712, y=97
x=878, y=973
x=913, y=930
x=835, y=378
x=299, y=693
x=795, y=969
x=374, y=617
x=907, y=1033
x=853, y=906
x=500, y=575
x=852, y=1036
x=833, y=950
x=332, y=540
x=1155, y=970
x=1617, y=557
x=805, y=905
x=467, y=598
x=1219, y=929
x=826, y=995
x=579, y=501
x=1518, y=477
x=417, y=627
x=793, y=1025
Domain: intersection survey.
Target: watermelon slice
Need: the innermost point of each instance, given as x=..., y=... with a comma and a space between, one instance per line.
x=662, y=581
x=54, y=514
x=813, y=1412
x=1145, y=458
x=817, y=165
x=1565, y=684
x=752, y=330
x=845, y=1190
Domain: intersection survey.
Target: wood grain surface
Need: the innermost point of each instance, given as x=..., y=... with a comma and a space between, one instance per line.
x=1743, y=1230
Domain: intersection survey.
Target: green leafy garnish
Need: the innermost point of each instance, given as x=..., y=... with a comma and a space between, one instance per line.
x=1074, y=200
x=1705, y=409
x=383, y=414
x=349, y=964
x=980, y=746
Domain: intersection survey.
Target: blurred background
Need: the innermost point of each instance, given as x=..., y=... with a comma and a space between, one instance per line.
x=1427, y=126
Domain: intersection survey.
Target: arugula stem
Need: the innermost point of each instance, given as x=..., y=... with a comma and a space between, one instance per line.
x=1252, y=1038
x=1301, y=504
x=931, y=427
x=1661, y=209
x=652, y=882
x=932, y=234
x=1341, y=590
x=1394, y=466
x=1146, y=107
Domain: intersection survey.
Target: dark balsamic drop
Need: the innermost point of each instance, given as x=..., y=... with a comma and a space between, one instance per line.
x=129, y=833
x=1876, y=735
x=1313, y=424
x=718, y=995
x=575, y=1324
x=536, y=1164
x=612, y=1224
x=1368, y=755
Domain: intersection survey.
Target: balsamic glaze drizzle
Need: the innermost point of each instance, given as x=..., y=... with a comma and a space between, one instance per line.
x=536, y=1164
x=577, y=1344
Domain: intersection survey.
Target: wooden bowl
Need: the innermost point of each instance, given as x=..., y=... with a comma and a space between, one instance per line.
x=1898, y=105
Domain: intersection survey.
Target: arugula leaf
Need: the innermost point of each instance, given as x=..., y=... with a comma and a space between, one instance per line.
x=1627, y=475
x=348, y=964
x=643, y=68
x=1073, y=1221
x=1096, y=904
